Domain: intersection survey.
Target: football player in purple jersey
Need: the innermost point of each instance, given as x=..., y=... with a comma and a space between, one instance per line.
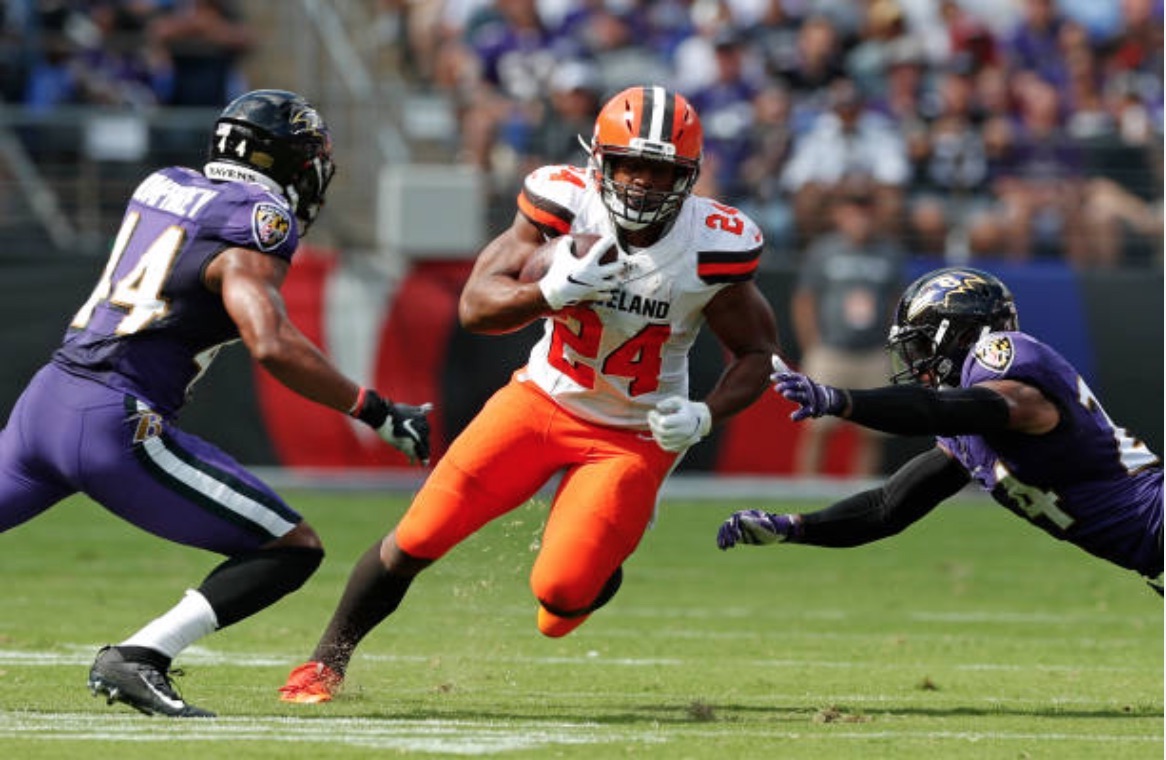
x=1007, y=411
x=198, y=263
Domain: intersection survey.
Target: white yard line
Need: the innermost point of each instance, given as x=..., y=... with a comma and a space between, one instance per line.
x=455, y=737
x=82, y=654
x=436, y=736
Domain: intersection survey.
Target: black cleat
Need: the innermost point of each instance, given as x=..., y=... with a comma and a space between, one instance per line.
x=143, y=685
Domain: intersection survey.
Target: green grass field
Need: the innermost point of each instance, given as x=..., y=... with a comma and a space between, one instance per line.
x=970, y=636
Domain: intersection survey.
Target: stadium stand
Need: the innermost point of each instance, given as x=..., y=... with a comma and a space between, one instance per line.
x=1029, y=129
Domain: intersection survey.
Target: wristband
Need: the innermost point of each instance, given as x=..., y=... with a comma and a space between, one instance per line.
x=354, y=410
x=374, y=410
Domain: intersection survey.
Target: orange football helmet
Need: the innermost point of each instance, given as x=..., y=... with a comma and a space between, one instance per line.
x=650, y=123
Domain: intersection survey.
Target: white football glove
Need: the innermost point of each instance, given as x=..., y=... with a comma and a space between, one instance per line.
x=677, y=423
x=570, y=280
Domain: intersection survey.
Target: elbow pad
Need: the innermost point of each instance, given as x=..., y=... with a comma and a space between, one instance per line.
x=916, y=410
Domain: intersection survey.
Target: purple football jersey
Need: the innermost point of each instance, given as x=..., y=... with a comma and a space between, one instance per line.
x=1088, y=481
x=98, y=418
x=151, y=328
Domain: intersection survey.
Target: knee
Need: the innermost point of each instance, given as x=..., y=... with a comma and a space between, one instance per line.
x=303, y=536
x=570, y=598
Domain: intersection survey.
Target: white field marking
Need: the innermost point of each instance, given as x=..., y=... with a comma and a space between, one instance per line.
x=1038, y=618
x=968, y=736
x=454, y=737
x=82, y=654
x=875, y=635
x=945, y=616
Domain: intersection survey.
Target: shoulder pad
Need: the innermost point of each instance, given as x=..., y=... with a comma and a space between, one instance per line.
x=550, y=195
x=729, y=243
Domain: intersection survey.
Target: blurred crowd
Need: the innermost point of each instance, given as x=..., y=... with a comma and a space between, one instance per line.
x=981, y=129
x=976, y=129
x=135, y=53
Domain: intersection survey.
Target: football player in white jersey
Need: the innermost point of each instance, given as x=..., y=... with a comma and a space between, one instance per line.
x=603, y=400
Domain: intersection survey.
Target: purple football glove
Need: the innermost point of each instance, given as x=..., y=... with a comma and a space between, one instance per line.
x=754, y=526
x=815, y=400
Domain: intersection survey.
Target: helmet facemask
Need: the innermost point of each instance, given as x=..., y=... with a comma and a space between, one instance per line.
x=930, y=354
x=633, y=207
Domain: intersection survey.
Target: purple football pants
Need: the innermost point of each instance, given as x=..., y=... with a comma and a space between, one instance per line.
x=68, y=434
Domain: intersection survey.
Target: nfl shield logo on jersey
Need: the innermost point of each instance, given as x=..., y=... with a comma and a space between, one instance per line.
x=271, y=225
x=995, y=352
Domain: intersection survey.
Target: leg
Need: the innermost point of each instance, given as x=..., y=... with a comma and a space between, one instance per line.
x=598, y=517
x=185, y=490
x=375, y=588
x=824, y=365
x=39, y=427
x=476, y=481
x=23, y=494
x=812, y=446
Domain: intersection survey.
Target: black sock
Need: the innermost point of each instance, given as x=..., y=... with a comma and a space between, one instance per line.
x=145, y=654
x=372, y=594
x=245, y=584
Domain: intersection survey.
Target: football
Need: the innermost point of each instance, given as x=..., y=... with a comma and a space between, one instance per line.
x=540, y=261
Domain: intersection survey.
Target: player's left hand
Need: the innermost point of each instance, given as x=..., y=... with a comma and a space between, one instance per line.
x=407, y=429
x=677, y=423
x=754, y=526
x=813, y=399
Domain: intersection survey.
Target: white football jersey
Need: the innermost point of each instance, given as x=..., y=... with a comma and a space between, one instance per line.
x=612, y=361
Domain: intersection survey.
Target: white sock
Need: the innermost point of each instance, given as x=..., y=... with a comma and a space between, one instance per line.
x=185, y=623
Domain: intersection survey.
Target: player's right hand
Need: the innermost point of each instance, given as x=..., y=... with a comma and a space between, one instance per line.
x=754, y=526
x=571, y=280
x=407, y=429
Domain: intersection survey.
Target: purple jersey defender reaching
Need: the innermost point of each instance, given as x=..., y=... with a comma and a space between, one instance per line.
x=198, y=262
x=1007, y=411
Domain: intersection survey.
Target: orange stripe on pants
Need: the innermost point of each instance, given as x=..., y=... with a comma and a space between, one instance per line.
x=518, y=441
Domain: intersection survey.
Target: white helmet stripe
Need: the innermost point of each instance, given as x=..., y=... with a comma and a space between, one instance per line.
x=659, y=111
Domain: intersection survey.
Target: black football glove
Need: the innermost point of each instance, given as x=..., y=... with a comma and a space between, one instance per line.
x=403, y=426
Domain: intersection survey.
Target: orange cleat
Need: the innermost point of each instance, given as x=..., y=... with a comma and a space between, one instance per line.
x=310, y=684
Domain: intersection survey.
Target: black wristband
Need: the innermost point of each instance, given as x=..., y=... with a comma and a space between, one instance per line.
x=374, y=411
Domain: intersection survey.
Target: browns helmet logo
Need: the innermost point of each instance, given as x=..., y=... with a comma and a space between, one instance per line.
x=271, y=225
x=995, y=352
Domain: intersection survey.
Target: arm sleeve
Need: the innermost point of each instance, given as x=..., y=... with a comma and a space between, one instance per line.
x=913, y=491
x=918, y=410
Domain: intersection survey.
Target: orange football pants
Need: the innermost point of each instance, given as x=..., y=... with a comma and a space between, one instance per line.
x=516, y=443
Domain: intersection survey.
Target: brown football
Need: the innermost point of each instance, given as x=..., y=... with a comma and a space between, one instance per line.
x=540, y=260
